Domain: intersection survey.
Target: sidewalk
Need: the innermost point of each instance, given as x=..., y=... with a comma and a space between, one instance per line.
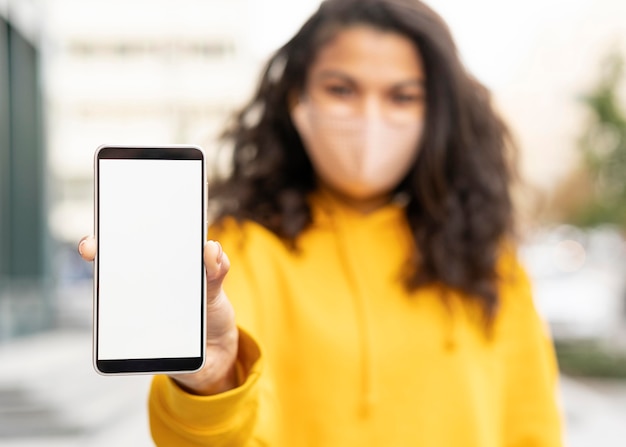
x=595, y=412
x=50, y=396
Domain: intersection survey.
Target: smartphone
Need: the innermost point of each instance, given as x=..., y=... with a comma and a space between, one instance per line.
x=149, y=283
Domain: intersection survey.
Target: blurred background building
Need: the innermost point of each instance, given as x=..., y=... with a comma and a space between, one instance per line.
x=25, y=287
x=75, y=74
x=130, y=72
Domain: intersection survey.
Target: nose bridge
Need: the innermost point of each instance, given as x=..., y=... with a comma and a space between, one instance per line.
x=372, y=106
x=372, y=115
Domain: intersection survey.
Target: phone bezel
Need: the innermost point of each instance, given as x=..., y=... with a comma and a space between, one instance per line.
x=148, y=365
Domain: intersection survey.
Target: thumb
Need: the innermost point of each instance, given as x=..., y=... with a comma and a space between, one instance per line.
x=216, y=265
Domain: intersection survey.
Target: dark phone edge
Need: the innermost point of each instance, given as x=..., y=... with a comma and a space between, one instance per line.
x=161, y=365
x=151, y=152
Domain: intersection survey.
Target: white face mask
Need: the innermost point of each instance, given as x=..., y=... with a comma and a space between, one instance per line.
x=359, y=157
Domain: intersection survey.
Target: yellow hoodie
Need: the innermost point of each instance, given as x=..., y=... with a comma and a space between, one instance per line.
x=334, y=351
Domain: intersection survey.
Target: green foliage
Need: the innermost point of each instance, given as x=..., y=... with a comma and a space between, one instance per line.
x=590, y=359
x=603, y=145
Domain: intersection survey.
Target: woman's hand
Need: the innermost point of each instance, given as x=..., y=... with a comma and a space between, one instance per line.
x=219, y=372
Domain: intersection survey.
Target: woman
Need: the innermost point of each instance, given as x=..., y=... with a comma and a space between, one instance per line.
x=376, y=298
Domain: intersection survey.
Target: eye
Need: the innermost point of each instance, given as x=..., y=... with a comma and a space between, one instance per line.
x=339, y=90
x=407, y=98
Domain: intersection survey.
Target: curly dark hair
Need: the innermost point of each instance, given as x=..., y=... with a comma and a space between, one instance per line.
x=459, y=204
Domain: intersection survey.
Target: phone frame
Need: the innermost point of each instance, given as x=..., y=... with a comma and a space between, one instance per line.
x=178, y=365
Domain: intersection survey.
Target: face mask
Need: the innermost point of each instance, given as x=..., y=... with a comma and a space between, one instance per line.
x=359, y=157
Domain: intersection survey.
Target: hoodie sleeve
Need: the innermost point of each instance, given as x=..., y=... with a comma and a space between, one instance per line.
x=226, y=419
x=532, y=417
x=244, y=416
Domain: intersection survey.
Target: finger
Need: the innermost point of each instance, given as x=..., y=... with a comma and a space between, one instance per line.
x=87, y=248
x=216, y=265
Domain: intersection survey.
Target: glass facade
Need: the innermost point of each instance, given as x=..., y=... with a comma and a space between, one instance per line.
x=25, y=304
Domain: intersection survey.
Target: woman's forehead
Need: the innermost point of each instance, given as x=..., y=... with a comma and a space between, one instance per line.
x=367, y=53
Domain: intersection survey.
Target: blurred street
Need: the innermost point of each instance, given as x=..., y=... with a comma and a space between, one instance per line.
x=595, y=412
x=50, y=396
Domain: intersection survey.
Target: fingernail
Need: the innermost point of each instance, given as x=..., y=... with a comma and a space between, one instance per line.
x=220, y=252
x=80, y=247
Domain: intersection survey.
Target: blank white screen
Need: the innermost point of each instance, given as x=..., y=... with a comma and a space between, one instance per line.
x=150, y=259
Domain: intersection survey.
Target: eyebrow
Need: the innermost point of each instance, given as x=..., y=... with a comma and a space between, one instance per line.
x=416, y=82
